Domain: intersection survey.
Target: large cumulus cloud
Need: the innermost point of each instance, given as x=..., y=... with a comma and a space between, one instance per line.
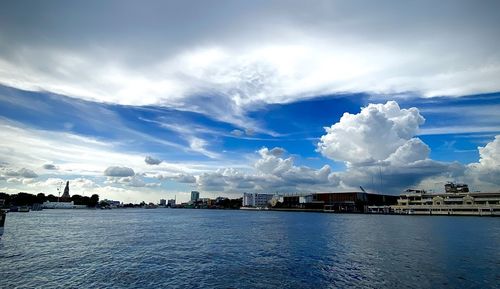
x=372, y=135
x=380, y=149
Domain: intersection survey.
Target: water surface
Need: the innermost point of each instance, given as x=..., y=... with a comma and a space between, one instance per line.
x=181, y=248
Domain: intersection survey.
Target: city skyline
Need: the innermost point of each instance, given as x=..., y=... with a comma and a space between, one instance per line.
x=133, y=102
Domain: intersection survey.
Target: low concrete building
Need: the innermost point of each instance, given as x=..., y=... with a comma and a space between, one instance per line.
x=256, y=200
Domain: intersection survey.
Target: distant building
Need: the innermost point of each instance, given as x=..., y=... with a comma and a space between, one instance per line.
x=113, y=204
x=256, y=200
x=163, y=202
x=206, y=201
x=171, y=203
x=195, y=195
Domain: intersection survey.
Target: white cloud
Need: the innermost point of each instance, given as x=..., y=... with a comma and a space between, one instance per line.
x=271, y=173
x=237, y=132
x=380, y=150
x=119, y=172
x=371, y=135
x=199, y=145
x=225, y=70
x=411, y=151
x=74, y=154
x=21, y=173
x=182, y=178
x=27, y=173
x=487, y=170
x=49, y=167
x=152, y=161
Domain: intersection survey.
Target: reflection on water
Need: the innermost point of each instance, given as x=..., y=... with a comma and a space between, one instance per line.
x=137, y=248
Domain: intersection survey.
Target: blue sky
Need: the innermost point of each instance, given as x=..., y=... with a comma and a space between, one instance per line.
x=237, y=98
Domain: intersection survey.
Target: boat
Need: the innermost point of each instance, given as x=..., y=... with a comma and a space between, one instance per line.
x=2, y=221
x=24, y=209
x=36, y=207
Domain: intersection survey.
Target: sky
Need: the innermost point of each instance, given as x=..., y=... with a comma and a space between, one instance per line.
x=142, y=100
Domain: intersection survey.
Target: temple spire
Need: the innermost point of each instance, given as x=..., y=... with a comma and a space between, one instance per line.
x=66, y=191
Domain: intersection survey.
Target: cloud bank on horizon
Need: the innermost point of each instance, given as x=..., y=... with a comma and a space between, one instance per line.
x=210, y=93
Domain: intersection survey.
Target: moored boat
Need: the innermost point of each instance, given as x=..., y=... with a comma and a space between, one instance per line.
x=24, y=209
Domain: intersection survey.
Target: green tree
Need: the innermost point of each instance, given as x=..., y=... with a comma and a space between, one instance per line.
x=94, y=200
x=40, y=198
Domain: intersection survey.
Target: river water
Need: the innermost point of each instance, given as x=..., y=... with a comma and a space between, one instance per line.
x=182, y=248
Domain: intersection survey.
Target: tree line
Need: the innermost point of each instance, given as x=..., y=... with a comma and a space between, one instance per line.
x=26, y=199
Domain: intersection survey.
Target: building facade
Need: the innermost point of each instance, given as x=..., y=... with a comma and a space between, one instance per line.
x=256, y=200
x=195, y=195
x=351, y=202
x=457, y=200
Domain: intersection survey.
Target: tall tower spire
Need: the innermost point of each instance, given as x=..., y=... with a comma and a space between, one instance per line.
x=66, y=191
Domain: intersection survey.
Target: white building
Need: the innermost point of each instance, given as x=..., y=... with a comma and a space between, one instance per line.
x=256, y=200
x=58, y=205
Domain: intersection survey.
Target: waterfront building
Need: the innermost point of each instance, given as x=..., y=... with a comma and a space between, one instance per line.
x=58, y=205
x=350, y=202
x=306, y=199
x=256, y=200
x=163, y=202
x=195, y=195
x=456, y=200
x=113, y=204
